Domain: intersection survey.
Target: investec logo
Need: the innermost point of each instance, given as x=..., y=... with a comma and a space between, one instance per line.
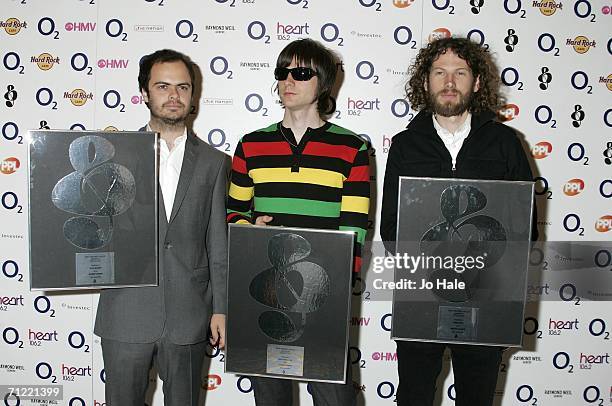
x=12, y=26
x=78, y=97
x=581, y=44
x=45, y=61
x=573, y=187
x=547, y=7
x=9, y=165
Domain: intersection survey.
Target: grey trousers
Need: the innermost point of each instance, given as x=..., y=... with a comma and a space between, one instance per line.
x=127, y=368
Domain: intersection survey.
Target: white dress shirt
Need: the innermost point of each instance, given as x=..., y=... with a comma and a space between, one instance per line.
x=170, y=163
x=453, y=141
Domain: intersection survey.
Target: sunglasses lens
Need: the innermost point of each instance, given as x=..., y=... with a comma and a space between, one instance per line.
x=299, y=73
x=281, y=73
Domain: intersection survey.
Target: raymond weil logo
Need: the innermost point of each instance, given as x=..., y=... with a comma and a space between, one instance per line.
x=9, y=165
x=581, y=44
x=45, y=61
x=78, y=97
x=12, y=25
x=548, y=7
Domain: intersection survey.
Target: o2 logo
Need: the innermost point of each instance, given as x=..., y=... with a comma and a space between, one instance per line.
x=511, y=40
x=304, y=3
x=592, y=394
x=80, y=63
x=76, y=340
x=365, y=71
x=403, y=36
x=374, y=4
x=214, y=352
x=561, y=361
x=547, y=43
x=386, y=390
x=577, y=153
x=42, y=305
x=356, y=357
x=12, y=62
x=10, y=269
x=583, y=9
x=442, y=5
x=10, y=335
x=543, y=114
x=231, y=3
x=385, y=322
x=184, y=29
x=114, y=29
x=244, y=384
x=568, y=292
x=524, y=394
x=478, y=37
x=602, y=188
x=220, y=66
x=571, y=224
x=597, y=327
x=255, y=103
x=160, y=4
x=10, y=201
x=256, y=30
x=10, y=132
x=531, y=327
x=580, y=81
x=45, y=98
x=541, y=187
x=46, y=27
x=216, y=138
x=400, y=108
x=511, y=77
x=112, y=100
x=331, y=33
x=515, y=7
x=44, y=371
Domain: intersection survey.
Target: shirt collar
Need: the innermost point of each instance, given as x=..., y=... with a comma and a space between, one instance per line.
x=465, y=127
x=178, y=141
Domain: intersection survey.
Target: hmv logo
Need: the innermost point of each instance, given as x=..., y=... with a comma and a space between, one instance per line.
x=80, y=27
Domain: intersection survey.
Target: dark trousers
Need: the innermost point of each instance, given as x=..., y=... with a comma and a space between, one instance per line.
x=279, y=392
x=127, y=367
x=475, y=369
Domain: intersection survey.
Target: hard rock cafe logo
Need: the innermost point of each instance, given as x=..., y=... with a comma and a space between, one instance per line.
x=402, y=3
x=12, y=26
x=548, y=7
x=45, y=61
x=581, y=44
x=607, y=81
x=78, y=97
x=111, y=128
x=439, y=33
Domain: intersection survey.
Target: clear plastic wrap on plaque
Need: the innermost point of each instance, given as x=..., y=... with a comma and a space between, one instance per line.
x=288, y=302
x=92, y=209
x=461, y=261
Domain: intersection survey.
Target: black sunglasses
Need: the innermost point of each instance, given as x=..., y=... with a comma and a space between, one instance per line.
x=300, y=73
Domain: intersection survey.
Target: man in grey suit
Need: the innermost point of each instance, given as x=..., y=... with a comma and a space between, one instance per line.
x=168, y=324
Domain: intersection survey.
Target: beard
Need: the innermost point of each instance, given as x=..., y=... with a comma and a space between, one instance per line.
x=450, y=108
x=170, y=120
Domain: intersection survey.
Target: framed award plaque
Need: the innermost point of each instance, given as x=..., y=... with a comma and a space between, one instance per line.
x=464, y=247
x=92, y=209
x=288, y=302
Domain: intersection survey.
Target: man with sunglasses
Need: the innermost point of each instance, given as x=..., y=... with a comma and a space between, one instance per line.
x=302, y=172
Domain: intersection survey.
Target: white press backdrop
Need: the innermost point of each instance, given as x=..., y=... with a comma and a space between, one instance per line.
x=74, y=63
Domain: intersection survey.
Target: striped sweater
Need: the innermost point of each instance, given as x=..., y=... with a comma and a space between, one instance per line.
x=323, y=182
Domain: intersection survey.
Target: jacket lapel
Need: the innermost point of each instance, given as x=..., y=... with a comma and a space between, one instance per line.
x=189, y=161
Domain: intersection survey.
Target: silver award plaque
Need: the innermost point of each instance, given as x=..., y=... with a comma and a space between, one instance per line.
x=93, y=209
x=469, y=243
x=288, y=302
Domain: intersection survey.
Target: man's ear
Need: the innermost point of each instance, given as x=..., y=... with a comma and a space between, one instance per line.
x=425, y=85
x=145, y=95
x=477, y=84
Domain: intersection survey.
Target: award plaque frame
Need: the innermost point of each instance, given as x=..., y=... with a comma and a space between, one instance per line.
x=468, y=242
x=93, y=213
x=289, y=298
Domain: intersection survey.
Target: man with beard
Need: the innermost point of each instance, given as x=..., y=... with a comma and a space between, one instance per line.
x=168, y=324
x=455, y=86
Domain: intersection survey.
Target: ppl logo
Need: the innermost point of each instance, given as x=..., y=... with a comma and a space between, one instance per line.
x=78, y=97
x=548, y=7
x=12, y=26
x=508, y=112
x=439, y=33
x=45, y=61
x=604, y=224
x=607, y=81
x=80, y=27
x=573, y=187
x=356, y=106
x=402, y=3
x=541, y=150
x=9, y=165
x=113, y=63
x=581, y=44
x=212, y=382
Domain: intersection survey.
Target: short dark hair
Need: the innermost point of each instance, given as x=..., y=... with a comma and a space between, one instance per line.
x=478, y=59
x=163, y=55
x=312, y=54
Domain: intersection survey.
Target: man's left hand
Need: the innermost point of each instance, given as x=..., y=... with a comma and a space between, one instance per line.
x=217, y=326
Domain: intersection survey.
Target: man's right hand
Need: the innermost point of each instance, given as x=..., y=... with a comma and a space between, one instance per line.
x=263, y=220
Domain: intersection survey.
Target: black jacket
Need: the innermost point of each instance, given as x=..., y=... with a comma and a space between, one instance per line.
x=491, y=151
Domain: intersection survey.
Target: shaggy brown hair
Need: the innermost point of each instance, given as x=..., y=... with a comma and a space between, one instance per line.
x=479, y=61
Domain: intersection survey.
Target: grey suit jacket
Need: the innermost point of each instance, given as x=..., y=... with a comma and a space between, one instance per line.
x=192, y=261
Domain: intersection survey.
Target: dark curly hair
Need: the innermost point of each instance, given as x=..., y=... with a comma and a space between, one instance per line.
x=486, y=98
x=162, y=56
x=310, y=53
